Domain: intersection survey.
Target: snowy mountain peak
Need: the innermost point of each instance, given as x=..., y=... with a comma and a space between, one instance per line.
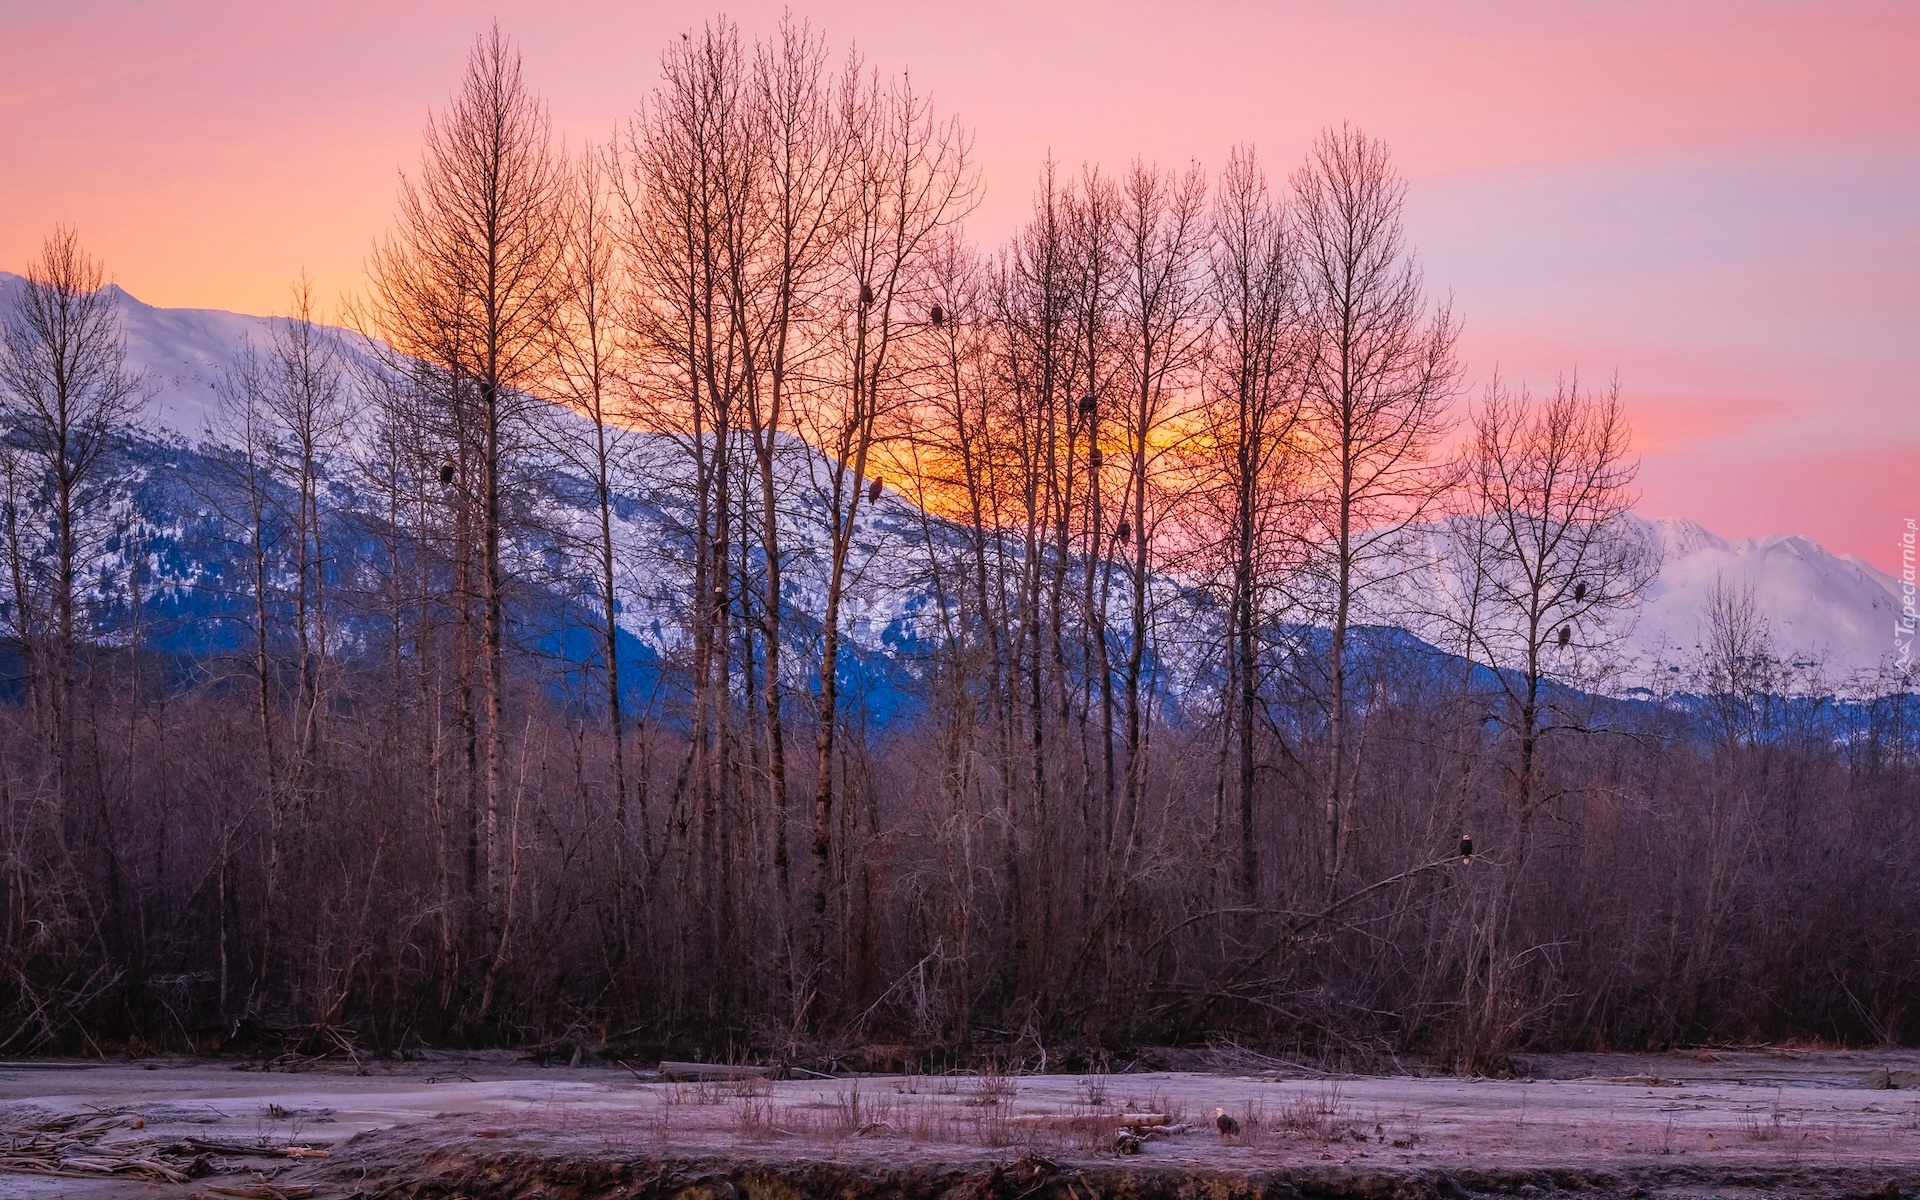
x=1678, y=537
x=1829, y=616
x=183, y=351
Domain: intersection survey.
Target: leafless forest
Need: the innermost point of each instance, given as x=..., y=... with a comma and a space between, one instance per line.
x=1176, y=407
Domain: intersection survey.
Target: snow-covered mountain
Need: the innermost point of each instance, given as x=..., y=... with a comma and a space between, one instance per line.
x=1828, y=621
x=185, y=354
x=1831, y=617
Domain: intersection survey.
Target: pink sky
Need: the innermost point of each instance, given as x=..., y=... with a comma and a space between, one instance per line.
x=1719, y=203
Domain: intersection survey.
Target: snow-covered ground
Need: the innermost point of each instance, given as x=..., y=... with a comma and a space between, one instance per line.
x=1696, y=1119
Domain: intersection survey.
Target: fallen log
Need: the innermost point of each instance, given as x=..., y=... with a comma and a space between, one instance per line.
x=260, y=1191
x=93, y=1168
x=711, y=1071
x=241, y=1149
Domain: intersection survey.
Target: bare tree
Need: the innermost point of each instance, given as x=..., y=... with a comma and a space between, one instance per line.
x=1741, y=682
x=1377, y=384
x=683, y=187
x=1031, y=420
x=468, y=283
x=242, y=442
x=305, y=392
x=1251, y=413
x=1096, y=366
x=588, y=361
x=1738, y=671
x=799, y=112
x=67, y=398
x=1558, y=559
x=1160, y=243
x=413, y=475
x=909, y=180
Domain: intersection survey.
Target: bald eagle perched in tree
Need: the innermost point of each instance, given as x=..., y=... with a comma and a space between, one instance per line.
x=873, y=490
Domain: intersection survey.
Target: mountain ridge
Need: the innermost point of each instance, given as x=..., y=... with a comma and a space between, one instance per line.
x=1831, y=617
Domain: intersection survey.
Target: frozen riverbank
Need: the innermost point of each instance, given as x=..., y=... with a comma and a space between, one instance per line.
x=1697, y=1124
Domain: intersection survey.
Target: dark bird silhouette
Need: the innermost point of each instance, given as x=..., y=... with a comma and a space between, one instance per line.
x=446, y=473
x=1227, y=1125
x=1089, y=406
x=1466, y=850
x=1566, y=634
x=1579, y=591
x=1123, y=532
x=866, y=295
x=938, y=315
x=873, y=490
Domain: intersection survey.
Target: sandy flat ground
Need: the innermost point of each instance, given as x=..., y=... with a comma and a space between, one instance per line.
x=1801, y=1111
